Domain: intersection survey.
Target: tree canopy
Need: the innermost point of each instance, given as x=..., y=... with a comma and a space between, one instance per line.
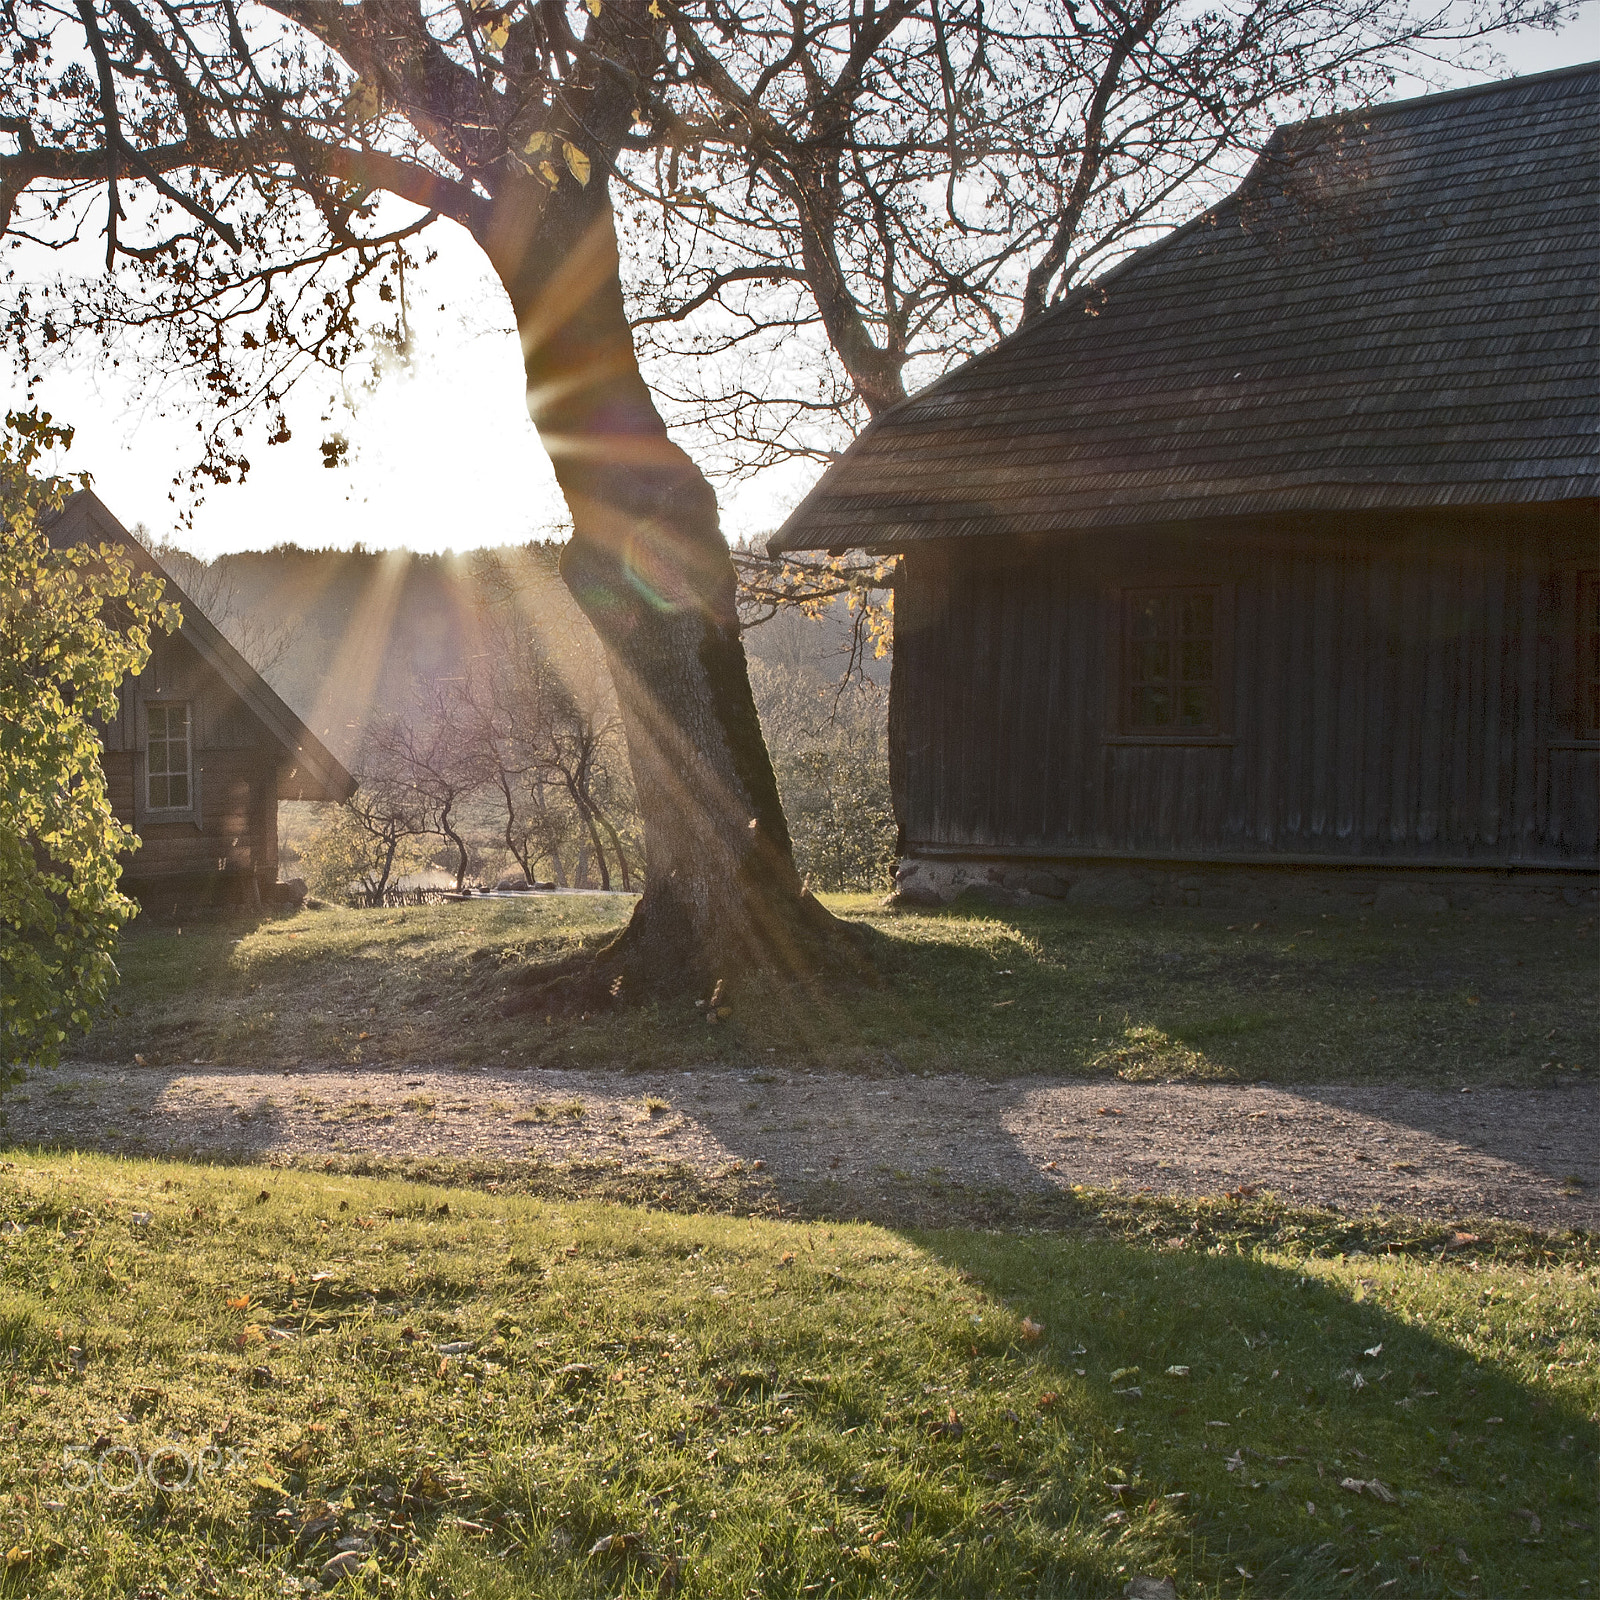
x=74, y=623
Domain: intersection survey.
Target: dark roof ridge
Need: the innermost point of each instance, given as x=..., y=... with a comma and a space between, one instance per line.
x=1382, y=108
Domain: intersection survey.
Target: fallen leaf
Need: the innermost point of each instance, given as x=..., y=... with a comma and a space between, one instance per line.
x=1046, y=1400
x=1031, y=1330
x=1372, y=1486
x=1124, y=1372
x=1373, y=1353
x=1177, y=1372
x=344, y=1565
x=239, y=1302
x=1146, y=1588
x=615, y=1544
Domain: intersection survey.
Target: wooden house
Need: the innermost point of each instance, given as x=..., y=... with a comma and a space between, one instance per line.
x=200, y=753
x=1275, y=549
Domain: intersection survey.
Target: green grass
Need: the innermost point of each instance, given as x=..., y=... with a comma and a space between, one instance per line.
x=482, y=1387
x=1176, y=994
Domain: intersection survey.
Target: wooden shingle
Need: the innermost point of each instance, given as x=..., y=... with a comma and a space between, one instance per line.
x=1396, y=309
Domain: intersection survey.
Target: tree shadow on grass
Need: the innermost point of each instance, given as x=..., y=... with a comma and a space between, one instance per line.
x=1318, y=1438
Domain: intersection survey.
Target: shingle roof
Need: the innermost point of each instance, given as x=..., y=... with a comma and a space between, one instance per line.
x=1397, y=308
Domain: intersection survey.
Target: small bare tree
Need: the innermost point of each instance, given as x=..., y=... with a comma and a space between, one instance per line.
x=433, y=764
x=548, y=717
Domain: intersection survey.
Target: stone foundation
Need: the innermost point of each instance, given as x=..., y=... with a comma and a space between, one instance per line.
x=1382, y=891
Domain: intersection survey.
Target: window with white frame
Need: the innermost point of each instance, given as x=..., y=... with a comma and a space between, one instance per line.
x=168, y=778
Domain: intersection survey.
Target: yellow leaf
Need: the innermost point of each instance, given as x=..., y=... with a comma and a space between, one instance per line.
x=655, y=9
x=549, y=174
x=498, y=34
x=537, y=142
x=594, y=8
x=361, y=104
x=238, y=1302
x=577, y=163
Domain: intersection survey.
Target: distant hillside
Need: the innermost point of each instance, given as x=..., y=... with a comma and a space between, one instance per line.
x=345, y=635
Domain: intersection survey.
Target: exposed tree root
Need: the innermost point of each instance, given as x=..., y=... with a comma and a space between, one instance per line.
x=655, y=958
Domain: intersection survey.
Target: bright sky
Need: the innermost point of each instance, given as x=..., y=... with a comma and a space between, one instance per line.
x=443, y=456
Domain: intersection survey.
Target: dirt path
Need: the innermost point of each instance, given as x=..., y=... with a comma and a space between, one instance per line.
x=1529, y=1155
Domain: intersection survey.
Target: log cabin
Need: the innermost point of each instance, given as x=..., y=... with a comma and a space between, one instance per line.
x=200, y=752
x=1267, y=567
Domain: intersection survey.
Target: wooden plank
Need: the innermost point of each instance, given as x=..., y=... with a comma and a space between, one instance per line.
x=1468, y=751
x=1322, y=697
x=1525, y=811
x=1296, y=800
x=1353, y=647
x=1409, y=679
x=1495, y=770
x=1269, y=666
x=1439, y=636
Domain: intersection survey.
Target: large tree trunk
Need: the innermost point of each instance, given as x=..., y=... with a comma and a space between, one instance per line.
x=648, y=565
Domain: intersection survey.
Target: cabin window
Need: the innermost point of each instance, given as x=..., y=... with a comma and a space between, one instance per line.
x=1170, y=679
x=167, y=771
x=1589, y=655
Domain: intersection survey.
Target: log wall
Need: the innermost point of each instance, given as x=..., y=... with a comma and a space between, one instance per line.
x=1398, y=691
x=230, y=834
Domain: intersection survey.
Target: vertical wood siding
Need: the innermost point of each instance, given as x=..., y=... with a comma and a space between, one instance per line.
x=1397, y=698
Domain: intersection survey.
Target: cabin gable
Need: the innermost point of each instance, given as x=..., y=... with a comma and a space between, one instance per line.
x=199, y=752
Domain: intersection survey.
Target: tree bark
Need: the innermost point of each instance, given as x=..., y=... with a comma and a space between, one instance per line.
x=649, y=568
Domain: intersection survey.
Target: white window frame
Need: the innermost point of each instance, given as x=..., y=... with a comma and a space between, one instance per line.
x=150, y=774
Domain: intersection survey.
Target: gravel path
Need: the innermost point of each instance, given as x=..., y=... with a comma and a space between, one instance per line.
x=1528, y=1155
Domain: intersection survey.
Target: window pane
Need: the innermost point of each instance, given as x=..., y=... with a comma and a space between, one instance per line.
x=1152, y=708
x=1197, y=661
x=1197, y=615
x=1196, y=708
x=1151, y=616
x=167, y=756
x=1152, y=660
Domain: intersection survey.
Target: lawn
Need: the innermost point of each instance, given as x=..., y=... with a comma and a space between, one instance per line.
x=1179, y=994
x=465, y=1393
